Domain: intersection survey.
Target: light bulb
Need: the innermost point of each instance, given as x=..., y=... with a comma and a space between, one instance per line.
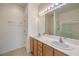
x=56, y=4
x=45, y=10
x=48, y=8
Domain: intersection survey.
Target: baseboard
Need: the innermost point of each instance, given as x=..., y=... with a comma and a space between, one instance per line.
x=10, y=50
x=28, y=50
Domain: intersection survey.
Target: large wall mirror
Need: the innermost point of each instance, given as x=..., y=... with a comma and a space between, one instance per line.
x=67, y=22
x=62, y=22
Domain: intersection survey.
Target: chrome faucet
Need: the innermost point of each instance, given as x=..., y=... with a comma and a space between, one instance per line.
x=39, y=34
x=61, y=40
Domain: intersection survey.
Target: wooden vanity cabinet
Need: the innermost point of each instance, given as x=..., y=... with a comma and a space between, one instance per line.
x=33, y=46
x=47, y=50
x=40, y=50
x=44, y=49
x=58, y=53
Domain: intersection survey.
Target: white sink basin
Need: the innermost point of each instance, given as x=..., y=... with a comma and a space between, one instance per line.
x=61, y=45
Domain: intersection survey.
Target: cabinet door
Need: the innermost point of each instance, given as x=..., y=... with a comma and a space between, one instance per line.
x=47, y=50
x=40, y=45
x=31, y=45
x=44, y=49
x=58, y=53
x=35, y=47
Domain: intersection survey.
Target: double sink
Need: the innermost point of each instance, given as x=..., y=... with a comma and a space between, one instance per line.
x=55, y=42
x=60, y=45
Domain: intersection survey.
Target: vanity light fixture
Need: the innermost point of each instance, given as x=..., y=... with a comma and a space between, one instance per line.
x=56, y=4
x=45, y=10
x=48, y=8
x=53, y=6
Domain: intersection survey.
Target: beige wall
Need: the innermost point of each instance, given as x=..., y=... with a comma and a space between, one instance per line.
x=11, y=27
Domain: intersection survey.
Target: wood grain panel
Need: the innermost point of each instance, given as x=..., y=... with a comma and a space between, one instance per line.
x=31, y=45
x=40, y=50
x=35, y=47
x=58, y=53
x=47, y=51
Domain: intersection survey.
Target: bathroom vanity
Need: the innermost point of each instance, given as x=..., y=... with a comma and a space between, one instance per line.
x=43, y=46
x=62, y=21
x=39, y=48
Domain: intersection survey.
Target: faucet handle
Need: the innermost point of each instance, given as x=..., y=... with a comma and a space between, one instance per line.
x=61, y=40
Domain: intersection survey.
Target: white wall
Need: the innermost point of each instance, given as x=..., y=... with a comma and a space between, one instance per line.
x=32, y=22
x=36, y=23
x=11, y=27
x=26, y=25
x=32, y=18
x=41, y=25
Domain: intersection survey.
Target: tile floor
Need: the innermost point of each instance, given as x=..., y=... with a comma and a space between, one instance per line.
x=17, y=52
